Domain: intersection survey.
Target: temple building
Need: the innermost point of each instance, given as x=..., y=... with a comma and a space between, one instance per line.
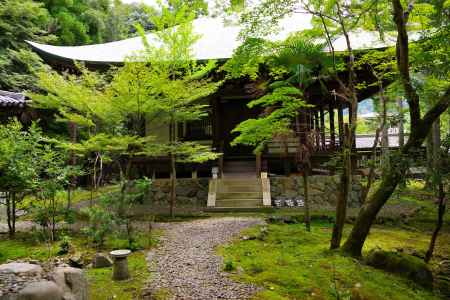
x=228, y=106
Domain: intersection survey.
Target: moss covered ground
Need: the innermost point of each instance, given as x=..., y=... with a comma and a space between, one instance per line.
x=294, y=264
x=291, y=263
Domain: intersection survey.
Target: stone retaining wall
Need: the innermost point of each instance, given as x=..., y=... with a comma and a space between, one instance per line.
x=193, y=193
x=190, y=192
x=323, y=190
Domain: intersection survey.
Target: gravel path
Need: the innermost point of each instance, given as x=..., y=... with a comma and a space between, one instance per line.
x=186, y=263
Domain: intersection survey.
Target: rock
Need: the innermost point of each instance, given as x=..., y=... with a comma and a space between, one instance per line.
x=72, y=282
x=41, y=290
x=442, y=276
x=101, y=260
x=284, y=219
x=405, y=265
x=76, y=261
x=21, y=268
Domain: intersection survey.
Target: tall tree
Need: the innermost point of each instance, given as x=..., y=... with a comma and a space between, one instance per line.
x=420, y=125
x=177, y=85
x=78, y=22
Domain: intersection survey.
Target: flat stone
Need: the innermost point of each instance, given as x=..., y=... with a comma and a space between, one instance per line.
x=20, y=268
x=120, y=253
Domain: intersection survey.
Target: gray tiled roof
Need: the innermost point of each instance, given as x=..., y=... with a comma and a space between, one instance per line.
x=10, y=99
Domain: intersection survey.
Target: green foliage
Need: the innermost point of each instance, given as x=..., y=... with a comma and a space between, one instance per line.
x=20, y=153
x=114, y=210
x=176, y=84
x=79, y=22
x=20, y=21
x=100, y=222
x=229, y=266
x=258, y=132
x=64, y=245
x=247, y=58
x=299, y=62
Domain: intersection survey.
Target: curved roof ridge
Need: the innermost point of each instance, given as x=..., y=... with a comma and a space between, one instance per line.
x=218, y=40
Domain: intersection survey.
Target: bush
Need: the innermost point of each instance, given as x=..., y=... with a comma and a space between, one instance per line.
x=64, y=245
x=229, y=266
x=100, y=223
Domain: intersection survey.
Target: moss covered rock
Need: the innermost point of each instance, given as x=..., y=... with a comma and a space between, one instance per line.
x=403, y=264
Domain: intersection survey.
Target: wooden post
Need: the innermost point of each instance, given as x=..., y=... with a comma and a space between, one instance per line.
x=341, y=124
x=332, y=129
x=322, y=127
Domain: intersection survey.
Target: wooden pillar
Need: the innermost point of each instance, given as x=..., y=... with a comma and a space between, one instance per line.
x=341, y=124
x=216, y=123
x=322, y=127
x=258, y=165
x=317, y=128
x=302, y=126
x=332, y=129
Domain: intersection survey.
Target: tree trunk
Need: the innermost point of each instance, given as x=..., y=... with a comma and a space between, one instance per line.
x=436, y=135
x=390, y=179
x=429, y=155
x=401, y=122
x=307, y=213
x=53, y=219
x=172, y=184
x=385, y=133
x=439, y=223
x=173, y=169
x=13, y=213
x=371, y=175
x=8, y=215
x=345, y=190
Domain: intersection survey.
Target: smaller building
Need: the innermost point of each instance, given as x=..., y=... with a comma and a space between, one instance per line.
x=13, y=105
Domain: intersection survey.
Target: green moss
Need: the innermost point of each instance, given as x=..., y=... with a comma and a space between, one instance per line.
x=102, y=287
x=294, y=264
x=26, y=247
x=78, y=195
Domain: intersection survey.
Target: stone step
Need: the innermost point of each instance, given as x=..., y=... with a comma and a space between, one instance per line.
x=239, y=203
x=239, y=181
x=239, y=195
x=261, y=209
x=240, y=189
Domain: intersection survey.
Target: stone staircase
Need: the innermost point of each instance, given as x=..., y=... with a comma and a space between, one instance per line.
x=239, y=188
x=239, y=192
x=239, y=169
